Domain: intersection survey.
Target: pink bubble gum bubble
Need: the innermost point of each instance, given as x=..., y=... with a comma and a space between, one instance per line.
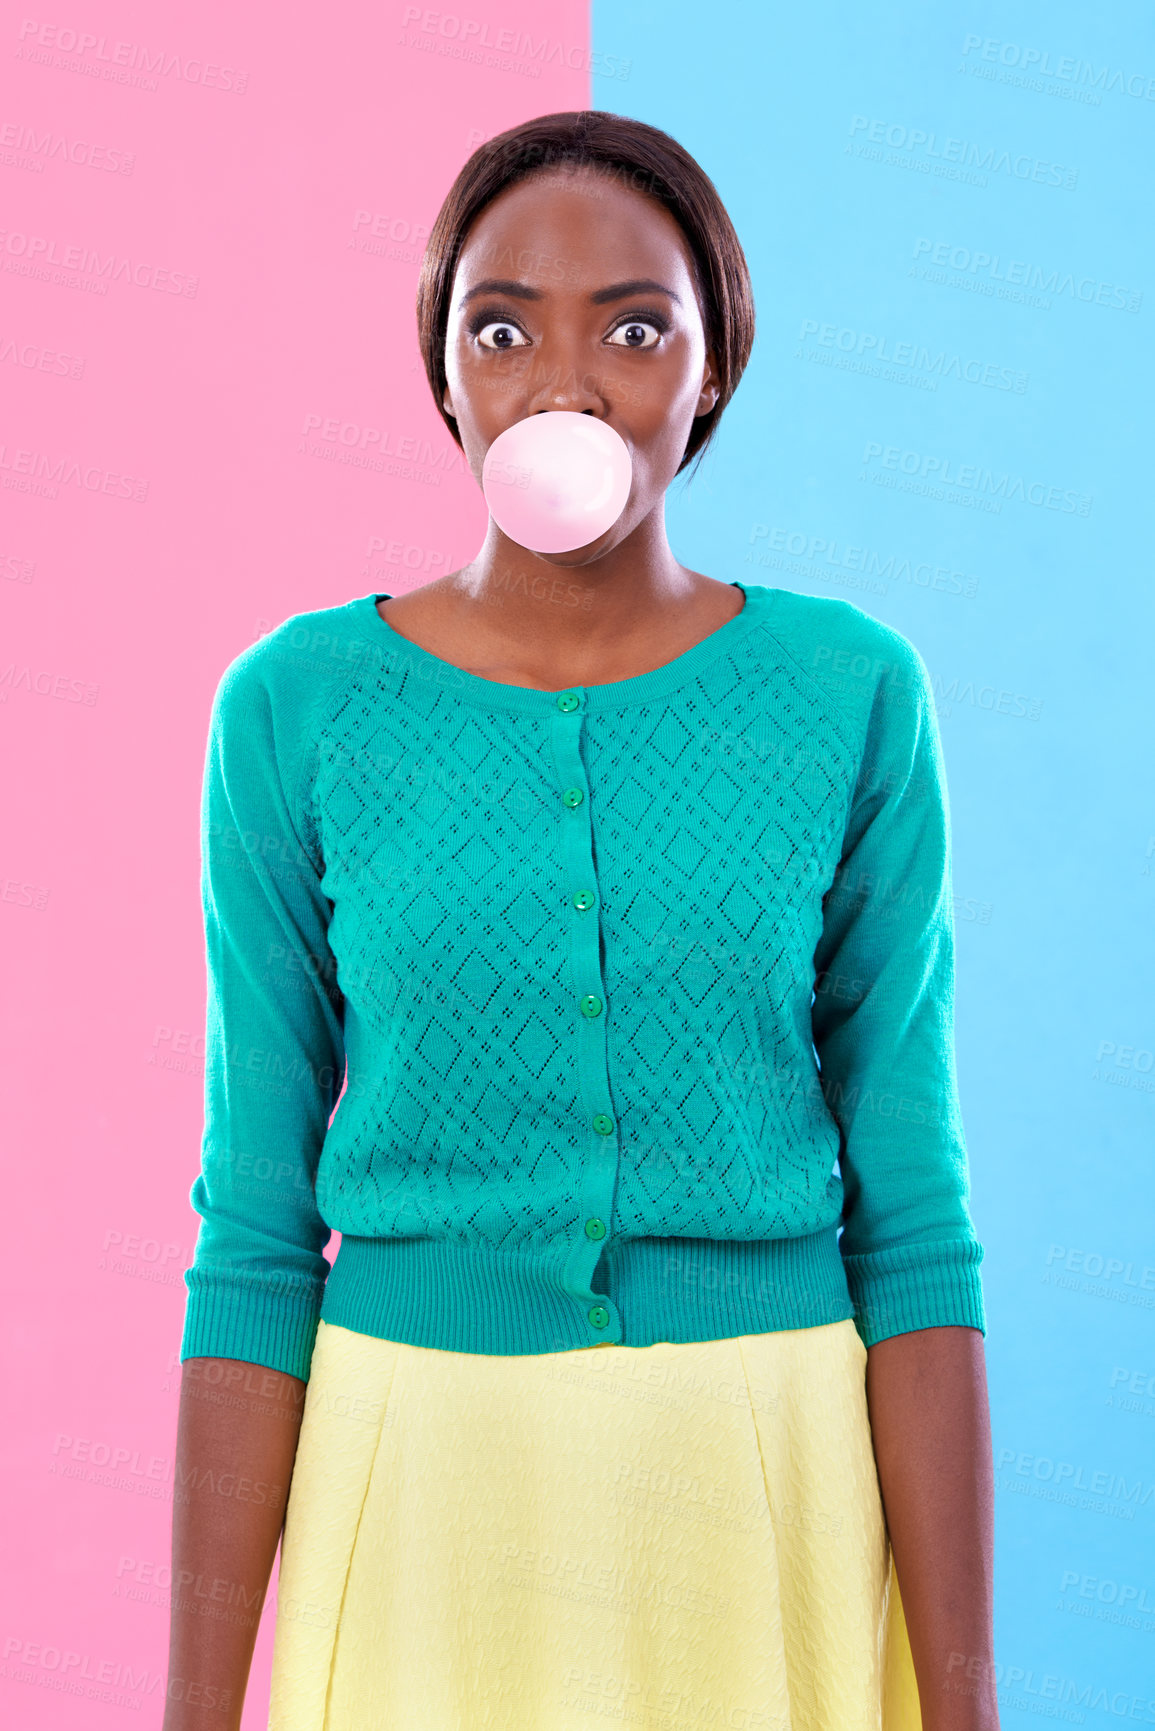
x=556, y=481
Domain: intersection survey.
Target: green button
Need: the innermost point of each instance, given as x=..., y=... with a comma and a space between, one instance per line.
x=591, y=1006
x=603, y=1125
x=584, y=899
x=569, y=700
x=595, y=1228
x=572, y=796
x=599, y=1316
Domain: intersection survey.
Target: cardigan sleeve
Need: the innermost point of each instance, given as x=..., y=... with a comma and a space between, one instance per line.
x=883, y=1022
x=274, y=1044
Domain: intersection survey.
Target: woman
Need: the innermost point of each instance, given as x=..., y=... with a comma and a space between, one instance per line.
x=624, y=893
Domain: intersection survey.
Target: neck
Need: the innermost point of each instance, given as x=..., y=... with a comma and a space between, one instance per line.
x=572, y=605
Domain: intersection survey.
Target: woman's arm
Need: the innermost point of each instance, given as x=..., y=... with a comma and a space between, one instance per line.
x=236, y=1443
x=930, y=1420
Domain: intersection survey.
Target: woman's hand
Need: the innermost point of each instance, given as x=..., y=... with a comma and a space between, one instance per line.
x=930, y=1421
x=237, y=1439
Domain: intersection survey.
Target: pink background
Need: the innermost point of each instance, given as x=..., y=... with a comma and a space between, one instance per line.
x=162, y=504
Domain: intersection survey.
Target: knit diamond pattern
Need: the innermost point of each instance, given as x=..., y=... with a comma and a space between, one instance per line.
x=716, y=817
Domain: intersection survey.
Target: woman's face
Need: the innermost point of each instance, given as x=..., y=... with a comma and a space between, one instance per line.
x=573, y=292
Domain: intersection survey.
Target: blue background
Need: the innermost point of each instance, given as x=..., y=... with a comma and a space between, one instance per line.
x=1030, y=604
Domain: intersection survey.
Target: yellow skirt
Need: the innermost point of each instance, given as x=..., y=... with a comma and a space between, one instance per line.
x=673, y=1536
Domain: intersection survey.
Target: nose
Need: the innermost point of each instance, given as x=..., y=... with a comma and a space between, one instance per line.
x=567, y=383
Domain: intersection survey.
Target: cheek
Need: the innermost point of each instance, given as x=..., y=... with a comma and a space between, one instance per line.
x=655, y=460
x=483, y=386
x=658, y=442
x=460, y=368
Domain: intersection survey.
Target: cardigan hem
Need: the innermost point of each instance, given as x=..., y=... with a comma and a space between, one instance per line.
x=470, y=1298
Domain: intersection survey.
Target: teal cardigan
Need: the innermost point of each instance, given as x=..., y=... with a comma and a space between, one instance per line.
x=619, y=1013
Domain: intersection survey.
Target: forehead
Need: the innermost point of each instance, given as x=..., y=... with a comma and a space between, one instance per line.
x=574, y=227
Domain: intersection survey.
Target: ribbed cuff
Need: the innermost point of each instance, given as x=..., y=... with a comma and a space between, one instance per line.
x=258, y=1319
x=915, y=1286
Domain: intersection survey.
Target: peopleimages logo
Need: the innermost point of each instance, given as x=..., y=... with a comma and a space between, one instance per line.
x=992, y=269
x=30, y=471
x=39, y=360
x=1040, y=62
x=976, y=478
x=933, y=151
x=873, y=347
x=45, y=257
x=26, y=142
x=821, y=550
x=484, y=42
x=72, y=50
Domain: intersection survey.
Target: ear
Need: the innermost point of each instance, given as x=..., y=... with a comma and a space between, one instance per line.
x=711, y=386
x=447, y=404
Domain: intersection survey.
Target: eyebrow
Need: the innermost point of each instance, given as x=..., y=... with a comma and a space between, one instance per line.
x=522, y=291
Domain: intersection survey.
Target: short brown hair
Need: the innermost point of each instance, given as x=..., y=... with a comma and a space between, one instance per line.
x=639, y=157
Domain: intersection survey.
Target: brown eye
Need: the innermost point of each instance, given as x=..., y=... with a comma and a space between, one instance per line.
x=634, y=331
x=503, y=339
